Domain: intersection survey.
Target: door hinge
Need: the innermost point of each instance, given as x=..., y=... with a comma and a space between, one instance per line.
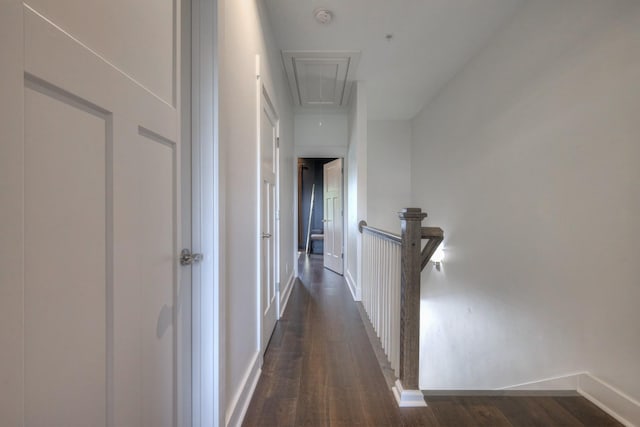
x=188, y=258
x=278, y=142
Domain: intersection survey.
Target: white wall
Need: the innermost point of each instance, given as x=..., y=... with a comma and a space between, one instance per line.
x=288, y=210
x=388, y=172
x=356, y=175
x=243, y=33
x=350, y=206
x=528, y=160
x=321, y=134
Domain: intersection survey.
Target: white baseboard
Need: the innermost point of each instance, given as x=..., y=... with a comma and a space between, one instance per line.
x=614, y=402
x=352, y=285
x=562, y=382
x=284, y=296
x=611, y=400
x=240, y=402
x=408, y=398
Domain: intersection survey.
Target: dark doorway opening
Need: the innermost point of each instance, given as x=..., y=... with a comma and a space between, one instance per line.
x=310, y=184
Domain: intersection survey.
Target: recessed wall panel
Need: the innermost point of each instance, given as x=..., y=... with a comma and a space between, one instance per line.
x=145, y=276
x=158, y=285
x=318, y=81
x=320, y=78
x=137, y=37
x=65, y=261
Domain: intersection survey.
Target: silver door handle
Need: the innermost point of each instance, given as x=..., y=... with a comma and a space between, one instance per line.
x=266, y=235
x=188, y=258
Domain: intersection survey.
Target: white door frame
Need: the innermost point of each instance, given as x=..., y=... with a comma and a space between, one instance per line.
x=320, y=153
x=208, y=325
x=264, y=90
x=185, y=320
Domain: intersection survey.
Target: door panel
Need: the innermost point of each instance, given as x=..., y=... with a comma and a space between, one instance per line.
x=145, y=274
x=147, y=26
x=65, y=284
x=96, y=305
x=267, y=246
x=268, y=260
x=333, y=221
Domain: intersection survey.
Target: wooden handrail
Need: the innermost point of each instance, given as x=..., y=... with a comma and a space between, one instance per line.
x=435, y=236
x=432, y=232
x=413, y=259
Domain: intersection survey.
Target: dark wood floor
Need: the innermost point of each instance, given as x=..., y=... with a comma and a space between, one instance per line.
x=320, y=370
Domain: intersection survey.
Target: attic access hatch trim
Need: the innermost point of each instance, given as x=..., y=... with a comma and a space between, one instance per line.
x=320, y=78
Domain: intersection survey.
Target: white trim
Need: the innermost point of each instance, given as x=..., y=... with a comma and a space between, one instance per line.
x=500, y=393
x=258, y=212
x=408, y=398
x=346, y=60
x=184, y=317
x=277, y=233
x=352, y=285
x=265, y=97
x=614, y=402
x=560, y=382
x=284, y=296
x=208, y=295
x=240, y=402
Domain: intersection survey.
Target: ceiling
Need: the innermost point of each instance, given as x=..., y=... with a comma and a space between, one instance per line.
x=431, y=41
x=320, y=79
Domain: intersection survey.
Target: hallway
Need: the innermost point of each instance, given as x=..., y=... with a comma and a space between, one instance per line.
x=320, y=370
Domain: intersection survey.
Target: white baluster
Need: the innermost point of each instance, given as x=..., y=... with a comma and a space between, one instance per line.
x=381, y=292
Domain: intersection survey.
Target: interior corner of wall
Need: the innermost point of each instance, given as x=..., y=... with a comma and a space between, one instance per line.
x=615, y=402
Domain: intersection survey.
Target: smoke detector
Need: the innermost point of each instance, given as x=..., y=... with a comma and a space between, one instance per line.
x=323, y=15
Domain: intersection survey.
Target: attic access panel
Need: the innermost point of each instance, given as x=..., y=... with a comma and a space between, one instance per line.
x=320, y=79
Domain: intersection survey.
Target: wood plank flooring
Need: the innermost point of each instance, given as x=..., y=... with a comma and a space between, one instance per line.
x=320, y=370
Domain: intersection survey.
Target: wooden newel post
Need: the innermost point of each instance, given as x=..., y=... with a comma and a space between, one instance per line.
x=406, y=390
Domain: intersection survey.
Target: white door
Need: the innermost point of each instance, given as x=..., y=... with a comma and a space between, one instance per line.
x=333, y=220
x=90, y=301
x=268, y=192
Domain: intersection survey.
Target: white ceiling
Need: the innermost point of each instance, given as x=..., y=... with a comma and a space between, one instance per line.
x=320, y=79
x=432, y=40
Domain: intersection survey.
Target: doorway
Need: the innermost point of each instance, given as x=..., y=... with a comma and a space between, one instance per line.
x=320, y=211
x=310, y=206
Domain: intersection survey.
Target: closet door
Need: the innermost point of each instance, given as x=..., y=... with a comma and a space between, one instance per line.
x=89, y=199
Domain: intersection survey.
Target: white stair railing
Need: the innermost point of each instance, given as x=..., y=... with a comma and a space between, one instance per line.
x=381, y=289
x=391, y=267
